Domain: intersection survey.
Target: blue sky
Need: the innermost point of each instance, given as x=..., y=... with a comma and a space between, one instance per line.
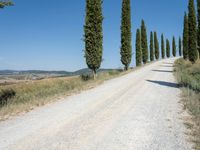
x=47, y=34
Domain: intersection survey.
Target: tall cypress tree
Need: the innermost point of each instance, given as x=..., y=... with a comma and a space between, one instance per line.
x=185, y=37
x=192, y=41
x=167, y=48
x=174, y=46
x=138, y=48
x=198, y=6
x=151, y=47
x=93, y=34
x=126, y=47
x=5, y=3
x=156, y=46
x=180, y=46
x=144, y=43
x=163, y=46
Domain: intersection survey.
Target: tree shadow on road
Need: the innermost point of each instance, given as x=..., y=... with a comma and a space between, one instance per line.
x=163, y=71
x=163, y=83
x=168, y=63
x=167, y=66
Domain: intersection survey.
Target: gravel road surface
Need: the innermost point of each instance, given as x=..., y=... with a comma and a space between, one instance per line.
x=138, y=111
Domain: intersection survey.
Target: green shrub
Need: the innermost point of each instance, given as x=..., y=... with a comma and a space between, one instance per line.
x=86, y=77
x=5, y=96
x=115, y=72
x=188, y=74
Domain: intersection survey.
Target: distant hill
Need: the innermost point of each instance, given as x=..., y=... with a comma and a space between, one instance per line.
x=42, y=72
x=86, y=70
x=17, y=72
x=15, y=76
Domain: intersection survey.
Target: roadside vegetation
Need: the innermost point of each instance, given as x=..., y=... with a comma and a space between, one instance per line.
x=25, y=96
x=187, y=69
x=188, y=75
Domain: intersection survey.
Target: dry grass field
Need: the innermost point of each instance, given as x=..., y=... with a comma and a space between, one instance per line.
x=25, y=96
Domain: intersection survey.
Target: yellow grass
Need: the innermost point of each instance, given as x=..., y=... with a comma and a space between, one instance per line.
x=37, y=93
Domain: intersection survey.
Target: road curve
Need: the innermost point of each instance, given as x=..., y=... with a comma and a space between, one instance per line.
x=138, y=111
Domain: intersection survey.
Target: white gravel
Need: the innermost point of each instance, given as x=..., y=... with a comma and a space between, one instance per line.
x=138, y=111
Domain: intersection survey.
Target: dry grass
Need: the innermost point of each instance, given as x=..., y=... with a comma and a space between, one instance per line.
x=37, y=93
x=188, y=75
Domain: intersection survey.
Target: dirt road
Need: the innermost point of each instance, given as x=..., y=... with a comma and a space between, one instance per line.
x=138, y=111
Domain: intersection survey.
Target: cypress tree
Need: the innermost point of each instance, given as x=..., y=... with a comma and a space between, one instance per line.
x=192, y=40
x=151, y=47
x=138, y=48
x=167, y=48
x=5, y=3
x=144, y=43
x=126, y=47
x=163, y=46
x=198, y=6
x=156, y=46
x=180, y=46
x=185, y=37
x=93, y=34
x=174, y=46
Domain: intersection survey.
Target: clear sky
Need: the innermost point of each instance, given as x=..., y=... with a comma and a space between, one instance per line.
x=47, y=34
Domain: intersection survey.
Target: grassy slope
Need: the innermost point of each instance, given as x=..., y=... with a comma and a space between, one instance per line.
x=36, y=93
x=188, y=75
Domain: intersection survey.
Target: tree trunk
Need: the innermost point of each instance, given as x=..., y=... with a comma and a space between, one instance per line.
x=94, y=74
x=126, y=68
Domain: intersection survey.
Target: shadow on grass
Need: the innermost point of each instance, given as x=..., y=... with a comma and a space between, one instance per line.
x=163, y=71
x=163, y=83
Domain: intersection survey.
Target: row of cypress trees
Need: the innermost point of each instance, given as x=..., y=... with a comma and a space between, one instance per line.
x=142, y=46
x=191, y=33
x=93, y=38
x=142, y=52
